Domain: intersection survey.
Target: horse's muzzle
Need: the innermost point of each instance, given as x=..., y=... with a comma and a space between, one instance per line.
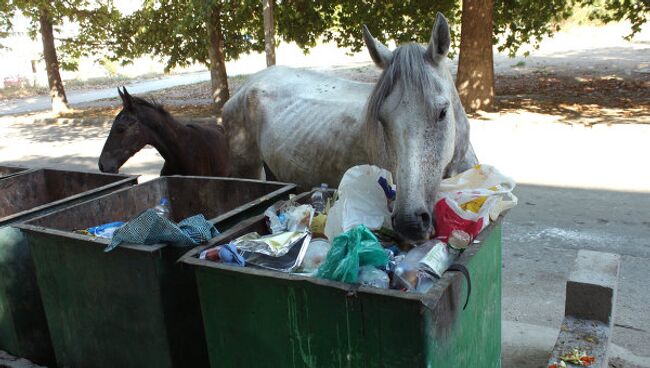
x=107, y=169
x=415, y=226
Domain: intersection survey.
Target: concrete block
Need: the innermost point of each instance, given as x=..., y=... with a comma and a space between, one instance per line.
x=589, y=307
x=591, y=288
x=588, y=335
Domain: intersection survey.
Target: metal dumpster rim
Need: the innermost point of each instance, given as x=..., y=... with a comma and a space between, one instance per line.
x=27, y=226
x=285, y=188
x=19, y=216
x=22, y=170
x=428, y=299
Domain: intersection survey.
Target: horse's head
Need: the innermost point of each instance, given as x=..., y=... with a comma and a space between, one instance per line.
x=127, y=136
x=410, y=112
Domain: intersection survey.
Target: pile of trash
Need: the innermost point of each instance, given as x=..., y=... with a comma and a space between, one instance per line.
x=154, y=226
x=346, y=234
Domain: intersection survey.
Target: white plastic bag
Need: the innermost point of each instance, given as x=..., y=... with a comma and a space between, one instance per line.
x=469, y=200
x=361, y=201
x=299, y=218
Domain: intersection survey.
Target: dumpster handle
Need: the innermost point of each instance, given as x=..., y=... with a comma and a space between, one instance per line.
x=462, y=269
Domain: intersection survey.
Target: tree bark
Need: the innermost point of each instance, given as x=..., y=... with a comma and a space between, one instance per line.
x=475, y=79
x=57, y=92
x=218, y=75
x=269, y=32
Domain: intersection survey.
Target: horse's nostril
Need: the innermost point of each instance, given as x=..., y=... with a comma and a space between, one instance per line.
x=425, y=219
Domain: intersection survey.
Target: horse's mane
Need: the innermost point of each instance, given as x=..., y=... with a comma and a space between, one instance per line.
x=408, y=68
x=151, y=103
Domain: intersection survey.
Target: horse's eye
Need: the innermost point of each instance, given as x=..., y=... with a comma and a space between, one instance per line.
x=442, y=114
x=120, y=129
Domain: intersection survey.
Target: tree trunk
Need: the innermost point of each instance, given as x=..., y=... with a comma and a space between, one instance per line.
x=269, y=32
x=475, y=79
x=218, y=75
x=59, y=100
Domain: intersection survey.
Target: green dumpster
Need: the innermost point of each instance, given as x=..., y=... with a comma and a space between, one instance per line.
x=11, y=170
x=289, y=320
x=25, y=195
x=135, y=306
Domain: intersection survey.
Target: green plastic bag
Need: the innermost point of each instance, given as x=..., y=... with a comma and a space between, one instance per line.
x=351, y=250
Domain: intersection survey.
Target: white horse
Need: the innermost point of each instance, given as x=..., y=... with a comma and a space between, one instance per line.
x=309, y=128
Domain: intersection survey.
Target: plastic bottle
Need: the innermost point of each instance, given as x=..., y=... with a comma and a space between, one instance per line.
x=425, y=282
x=276, y=225
x=318, y=198
x=162, y=208
x=372, y=276
x=315, y=255
x=406, y=271
x=442, y=255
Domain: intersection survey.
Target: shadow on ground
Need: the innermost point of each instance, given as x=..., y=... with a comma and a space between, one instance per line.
x=63, y=130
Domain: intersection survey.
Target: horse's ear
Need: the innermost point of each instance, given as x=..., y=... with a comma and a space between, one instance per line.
x=440, y=39
x=379, y=53
x=127, y=100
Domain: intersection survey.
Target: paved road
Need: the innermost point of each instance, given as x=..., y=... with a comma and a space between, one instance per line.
x=39, y=103
x=541, y=238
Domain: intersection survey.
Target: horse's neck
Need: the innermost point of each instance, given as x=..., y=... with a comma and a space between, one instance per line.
x=168, y=138
x=464, y=157
x=376, y=146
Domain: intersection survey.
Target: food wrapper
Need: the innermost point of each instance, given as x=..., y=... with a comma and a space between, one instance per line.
x=285, y=263
x=275, y=245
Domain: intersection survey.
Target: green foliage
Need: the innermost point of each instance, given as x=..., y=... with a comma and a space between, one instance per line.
x=93, y=17
x=401, y=21
x=110, y=67
x=516, y=22
x=6, y=13
x=520, y=22
x=95, y=23
x=637, y=12
x=303, y=21
x=176, y=30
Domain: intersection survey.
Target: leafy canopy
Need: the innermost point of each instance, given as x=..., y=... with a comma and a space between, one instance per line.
x=176, y=30
x=92, y=16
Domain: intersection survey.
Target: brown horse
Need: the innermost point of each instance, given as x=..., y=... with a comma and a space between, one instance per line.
x=187, y=149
